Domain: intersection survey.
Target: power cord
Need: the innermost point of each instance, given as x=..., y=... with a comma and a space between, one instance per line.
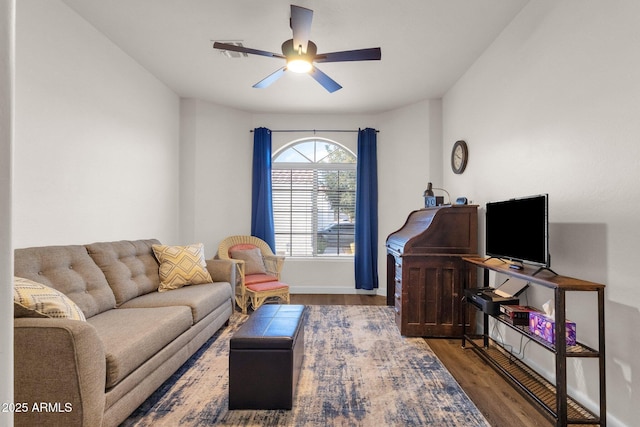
x=517, y=355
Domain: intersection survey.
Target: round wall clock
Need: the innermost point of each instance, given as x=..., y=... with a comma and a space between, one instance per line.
x=459, y=156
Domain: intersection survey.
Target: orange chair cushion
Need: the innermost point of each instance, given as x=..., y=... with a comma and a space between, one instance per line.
x=251, y=279
x=268, y=286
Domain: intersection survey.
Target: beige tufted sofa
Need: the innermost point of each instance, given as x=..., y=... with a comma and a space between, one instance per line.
x=97, y=372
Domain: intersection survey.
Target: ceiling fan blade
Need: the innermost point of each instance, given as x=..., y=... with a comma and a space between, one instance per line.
x=270, y=78
x=301, y=26
x=232, y=47
x=327, y=82
x=371, y=54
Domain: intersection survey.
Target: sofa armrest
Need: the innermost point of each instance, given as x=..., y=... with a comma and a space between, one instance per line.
x=222, y=270
x=59, y=372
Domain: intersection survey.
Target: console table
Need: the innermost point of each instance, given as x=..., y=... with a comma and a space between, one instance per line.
x=552, y=398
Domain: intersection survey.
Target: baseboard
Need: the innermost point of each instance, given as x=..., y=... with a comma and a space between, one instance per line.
x=338, y=290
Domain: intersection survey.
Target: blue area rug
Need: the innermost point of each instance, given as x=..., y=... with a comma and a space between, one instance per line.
x=357, y=371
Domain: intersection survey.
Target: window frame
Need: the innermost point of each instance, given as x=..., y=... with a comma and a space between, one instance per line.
x=315, y=165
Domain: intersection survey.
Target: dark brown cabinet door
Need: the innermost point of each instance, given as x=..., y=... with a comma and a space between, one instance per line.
x=432, y=288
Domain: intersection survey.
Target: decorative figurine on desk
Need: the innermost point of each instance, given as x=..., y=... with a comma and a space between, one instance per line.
x=429, y=197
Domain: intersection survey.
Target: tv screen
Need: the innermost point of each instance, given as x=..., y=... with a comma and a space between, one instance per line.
x=517, y=230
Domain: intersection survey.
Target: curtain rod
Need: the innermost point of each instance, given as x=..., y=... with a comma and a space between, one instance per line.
x=314, y=130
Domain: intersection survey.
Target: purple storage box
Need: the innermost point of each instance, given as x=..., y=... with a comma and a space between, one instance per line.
x=544, y=327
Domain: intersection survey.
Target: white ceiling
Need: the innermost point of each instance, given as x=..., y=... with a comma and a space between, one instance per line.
x=427, y=45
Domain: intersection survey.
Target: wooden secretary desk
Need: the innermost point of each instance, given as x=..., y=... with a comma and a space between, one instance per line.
x=426, y=272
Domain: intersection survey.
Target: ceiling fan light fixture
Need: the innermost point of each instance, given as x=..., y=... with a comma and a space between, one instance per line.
x=299, y=65
x=298, y=60
x=301, y=53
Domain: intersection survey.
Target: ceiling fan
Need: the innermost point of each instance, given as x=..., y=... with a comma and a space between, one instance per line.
x=300, y=52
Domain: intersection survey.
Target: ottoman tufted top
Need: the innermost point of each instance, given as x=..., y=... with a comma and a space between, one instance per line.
x=272, y=326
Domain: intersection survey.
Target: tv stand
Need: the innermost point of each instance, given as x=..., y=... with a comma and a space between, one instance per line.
x=550, y=397
x=544, y=269
x=512, y=264
x=495, y=257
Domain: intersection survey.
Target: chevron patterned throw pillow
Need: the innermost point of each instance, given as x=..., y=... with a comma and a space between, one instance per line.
x=181, y=266
x=33, y=299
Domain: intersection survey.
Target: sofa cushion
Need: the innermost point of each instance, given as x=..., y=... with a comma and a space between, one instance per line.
x=70, y=270
x=181, y=266
x=253, y=262
x=31, y=299
x=130, y=267
x=201, y=299
x=131, y=336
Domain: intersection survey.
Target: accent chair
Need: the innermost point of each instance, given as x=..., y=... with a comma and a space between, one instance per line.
x=258, y=271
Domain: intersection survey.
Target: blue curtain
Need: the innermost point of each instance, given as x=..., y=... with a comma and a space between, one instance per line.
x=366, y=239
x=261, y=201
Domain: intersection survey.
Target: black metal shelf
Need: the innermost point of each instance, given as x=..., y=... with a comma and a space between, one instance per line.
x=528, y=381
x=578, y=350
x=552, y=398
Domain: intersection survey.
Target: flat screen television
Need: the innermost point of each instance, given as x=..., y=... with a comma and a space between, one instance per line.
x=518, y=230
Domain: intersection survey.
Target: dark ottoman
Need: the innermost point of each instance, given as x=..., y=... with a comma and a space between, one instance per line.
x=265, y=358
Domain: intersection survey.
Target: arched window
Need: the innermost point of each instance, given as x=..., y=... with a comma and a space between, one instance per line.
x=314, y=195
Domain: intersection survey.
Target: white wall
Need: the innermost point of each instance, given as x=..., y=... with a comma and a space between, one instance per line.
x=7, y=68
x=215, y=188
x=552, y=107
x=97, y=136
x=409, y=153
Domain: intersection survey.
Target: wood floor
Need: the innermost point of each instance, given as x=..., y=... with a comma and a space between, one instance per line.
x=500, y=403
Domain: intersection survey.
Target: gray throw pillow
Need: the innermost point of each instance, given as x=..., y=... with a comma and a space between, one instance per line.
x=253, y=262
